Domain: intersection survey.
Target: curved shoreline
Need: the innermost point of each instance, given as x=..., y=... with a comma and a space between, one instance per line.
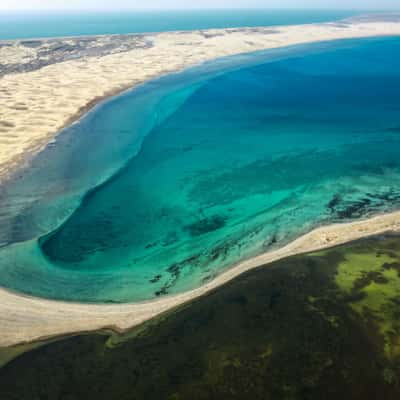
x=27, y=319
x=38, y=104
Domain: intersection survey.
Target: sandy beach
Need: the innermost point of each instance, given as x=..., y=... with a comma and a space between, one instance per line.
x=43, y=91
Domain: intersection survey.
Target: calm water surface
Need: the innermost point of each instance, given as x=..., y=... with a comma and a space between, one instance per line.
x=219, y=163
x=35, y=25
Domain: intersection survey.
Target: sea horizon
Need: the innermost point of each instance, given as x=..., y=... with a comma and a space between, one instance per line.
x=30, y=24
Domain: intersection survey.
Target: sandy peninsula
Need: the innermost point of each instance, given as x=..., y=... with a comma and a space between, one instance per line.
x=47, y=84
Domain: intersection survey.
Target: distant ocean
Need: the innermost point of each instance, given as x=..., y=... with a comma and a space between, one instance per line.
x=34, y=25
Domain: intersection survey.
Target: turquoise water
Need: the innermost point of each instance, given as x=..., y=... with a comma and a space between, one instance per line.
x=161, y=189
x=35, y=25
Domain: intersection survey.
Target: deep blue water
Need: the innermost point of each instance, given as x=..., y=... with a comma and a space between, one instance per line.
x=35, y=25
x=164, y=187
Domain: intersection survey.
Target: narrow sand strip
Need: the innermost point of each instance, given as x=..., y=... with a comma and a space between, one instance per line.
x=24, y=319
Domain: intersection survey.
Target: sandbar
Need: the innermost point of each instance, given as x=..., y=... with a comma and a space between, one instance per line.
x=25, y=319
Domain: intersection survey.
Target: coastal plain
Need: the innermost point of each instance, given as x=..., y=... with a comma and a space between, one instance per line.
x=45, y=85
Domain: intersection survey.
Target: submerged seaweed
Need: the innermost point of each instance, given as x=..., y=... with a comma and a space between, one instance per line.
x=341, y=208
x=206, y=225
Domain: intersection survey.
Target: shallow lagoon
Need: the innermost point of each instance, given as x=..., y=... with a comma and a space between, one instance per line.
x=193, y=173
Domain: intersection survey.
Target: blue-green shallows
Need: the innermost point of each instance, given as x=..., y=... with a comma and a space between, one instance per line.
x=158, y=190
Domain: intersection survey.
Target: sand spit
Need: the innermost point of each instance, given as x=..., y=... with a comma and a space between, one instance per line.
x=24, y=319
x=46, y=84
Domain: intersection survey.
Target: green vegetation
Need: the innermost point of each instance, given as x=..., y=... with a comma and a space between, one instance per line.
x=370, y=280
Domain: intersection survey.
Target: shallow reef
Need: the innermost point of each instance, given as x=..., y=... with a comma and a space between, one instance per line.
x=318, y=326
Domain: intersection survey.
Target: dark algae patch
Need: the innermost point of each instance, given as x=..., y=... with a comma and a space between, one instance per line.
x=206, y=225
x=319, y=326
x=340, y=209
